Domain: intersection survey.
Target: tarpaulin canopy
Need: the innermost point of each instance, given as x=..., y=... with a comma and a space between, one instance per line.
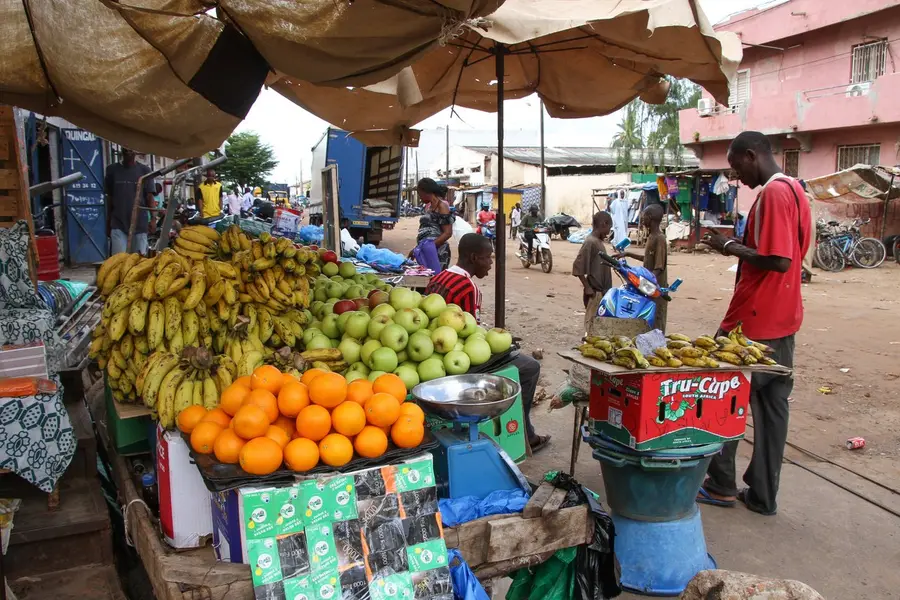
x=175, y=77
x=861, y=184
x=584, y=58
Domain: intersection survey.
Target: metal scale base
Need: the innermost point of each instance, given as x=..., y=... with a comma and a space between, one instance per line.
x=468, y=463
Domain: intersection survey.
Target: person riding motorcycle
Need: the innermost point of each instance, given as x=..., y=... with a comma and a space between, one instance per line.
x=529, y=221
x=485, y=216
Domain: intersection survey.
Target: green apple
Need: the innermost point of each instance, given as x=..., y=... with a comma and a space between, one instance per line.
x=455, y=307
x=402, y=357
x=444, y=339
x=433, y=325
x=408, y=375
x=376, y=326
x=417, y=299
x=350, y=350
x=383, y=359
x=352, y=376
x=480, y=333
x=342, y=321
x=359, y=367
x=460, y=345
x=432, y=368
x=471, y=326
x=395, y=337
x=354, y=291
x=330, y=326
x=425, y=320
x=318, y=342
x=347, y=269
x=357, y=325
x=433, y=305
x=452, y=318
x=336, y=278
x=457, y=363
x=335, y=289
x=383, y=309
x=410, y=319
x=401, y=297
x=499, y=340
x=375, y=375
x=365, y=354
x=409, y=363
x=420, y=347
x=320, y=294
x=479, y=351
x=310, y=333
x=335, y=343
x=330, y=269
x=315, y=306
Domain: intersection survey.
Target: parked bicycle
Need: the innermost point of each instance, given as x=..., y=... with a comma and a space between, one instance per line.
x=837, y=244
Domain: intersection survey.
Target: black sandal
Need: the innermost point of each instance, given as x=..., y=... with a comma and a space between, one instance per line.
x=541, y=443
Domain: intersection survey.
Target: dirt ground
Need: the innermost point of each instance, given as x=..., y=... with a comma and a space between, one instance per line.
x=831, y=499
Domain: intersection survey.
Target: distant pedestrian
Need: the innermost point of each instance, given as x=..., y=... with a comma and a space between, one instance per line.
x=210, y=196
x=246, y=201
x=594, y=274
x=618, y=209
x=121, y=184
x=234, y=202
x=515, y=219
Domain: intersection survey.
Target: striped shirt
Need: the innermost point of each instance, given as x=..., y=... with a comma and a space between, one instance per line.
x=457, y=287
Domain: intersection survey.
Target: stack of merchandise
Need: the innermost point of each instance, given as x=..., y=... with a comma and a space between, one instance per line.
x=377, y=208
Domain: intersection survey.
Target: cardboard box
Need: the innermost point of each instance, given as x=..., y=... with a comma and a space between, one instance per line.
x=670, y=410
x=29, y=360
x=184, y=510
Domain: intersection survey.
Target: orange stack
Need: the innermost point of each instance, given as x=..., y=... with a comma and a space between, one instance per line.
x=272, y=418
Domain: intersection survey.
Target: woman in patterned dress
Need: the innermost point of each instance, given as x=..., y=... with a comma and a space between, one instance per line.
x=436, y=223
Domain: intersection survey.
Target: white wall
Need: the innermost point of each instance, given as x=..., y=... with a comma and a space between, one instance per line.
x=514, y=173
x=470, y=161
x=571, y=194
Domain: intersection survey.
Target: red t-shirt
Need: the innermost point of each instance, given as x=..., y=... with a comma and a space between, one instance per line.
x=456, y=286
x=767, y=302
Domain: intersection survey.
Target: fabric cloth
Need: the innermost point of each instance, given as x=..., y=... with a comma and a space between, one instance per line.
x=529, y=221
x=246, y=201
x=672, y=186
x=515, y=217
x=655, y=259
x=234, y=204
x=121, y=185
x=23, y=326
x=730, y=198
x=591, y=308
x=529, y=373
x=211, y=196
x=770, y=409
x=118, y=241
x=703, y=195
x=431, y=227
x=16, y=288
x=589, y=264
x=779, y=224
x=425, y=253
x=618, y=210
x=457, y=287
x=720, y=187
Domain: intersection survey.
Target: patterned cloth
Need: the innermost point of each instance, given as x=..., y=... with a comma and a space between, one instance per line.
x=37, y=441
x=19, y=327
x=16, y=287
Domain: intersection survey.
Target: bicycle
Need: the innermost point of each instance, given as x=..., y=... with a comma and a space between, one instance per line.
x=837, y=244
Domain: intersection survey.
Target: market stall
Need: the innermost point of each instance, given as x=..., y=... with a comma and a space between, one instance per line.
x=707, y=201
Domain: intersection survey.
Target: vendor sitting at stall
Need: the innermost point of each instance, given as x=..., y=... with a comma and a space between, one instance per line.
x=457, y=286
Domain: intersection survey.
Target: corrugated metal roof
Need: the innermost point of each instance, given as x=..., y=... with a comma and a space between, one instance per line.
x=578, y=156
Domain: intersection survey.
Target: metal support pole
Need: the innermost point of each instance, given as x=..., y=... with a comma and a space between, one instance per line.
x=447, y=150
x=136, y=205
x=887, y=200
x=500, y=278
x=543, y=180
x=696, y=209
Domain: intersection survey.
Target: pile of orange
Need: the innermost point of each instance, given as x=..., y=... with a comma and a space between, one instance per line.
x=270, y=419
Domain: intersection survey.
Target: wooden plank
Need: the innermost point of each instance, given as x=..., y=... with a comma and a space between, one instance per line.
x=610, y=326
x=131, y=411
x=4, y=148
x=554, y=502
x=515, y=537
x=9, y=179
x=6, y=210
x=471, y=538
x=538, y=499
x=611, y=369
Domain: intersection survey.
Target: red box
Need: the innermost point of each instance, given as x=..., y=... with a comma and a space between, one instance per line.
x=657, y=411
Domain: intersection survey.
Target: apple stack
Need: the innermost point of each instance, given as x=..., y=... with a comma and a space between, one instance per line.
x=398, y=331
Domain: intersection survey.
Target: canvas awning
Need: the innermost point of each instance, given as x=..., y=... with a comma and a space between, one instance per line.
x=861, y=184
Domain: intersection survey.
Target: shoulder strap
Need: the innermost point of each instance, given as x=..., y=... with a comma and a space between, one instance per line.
x=757, y=220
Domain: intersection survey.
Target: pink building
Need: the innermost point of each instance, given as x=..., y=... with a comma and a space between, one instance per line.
x=819, y=77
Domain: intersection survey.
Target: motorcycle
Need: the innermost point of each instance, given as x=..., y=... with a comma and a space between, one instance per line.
x=561, y=224
x=489, y=230
x=635, y=298
x=540, y=249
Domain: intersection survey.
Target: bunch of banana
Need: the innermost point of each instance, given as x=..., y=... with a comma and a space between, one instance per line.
x=327, y=359
x=632, y=355
x=197, y=242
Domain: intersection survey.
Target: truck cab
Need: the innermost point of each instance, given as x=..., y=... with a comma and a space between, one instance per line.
x=369, y=180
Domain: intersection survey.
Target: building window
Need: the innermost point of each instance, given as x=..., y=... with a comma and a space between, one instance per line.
x=739, y=90
x=866, y=154
x=868, y=61
x=792, y=163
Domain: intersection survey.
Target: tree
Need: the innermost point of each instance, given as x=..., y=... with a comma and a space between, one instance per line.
x=249, y=160
x=630, y=136
x=664, y=135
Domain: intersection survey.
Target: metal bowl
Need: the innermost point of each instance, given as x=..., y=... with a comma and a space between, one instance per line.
x=468, y=398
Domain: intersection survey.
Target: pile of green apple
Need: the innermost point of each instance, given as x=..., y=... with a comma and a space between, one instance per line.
x=382, y=329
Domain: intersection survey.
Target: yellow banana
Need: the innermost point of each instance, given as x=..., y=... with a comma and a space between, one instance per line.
x=123, y=296
x=214, y=293
x=140, y=271
x=225, y=362
x=162, y=261
x=118, y=325
x=126, y=345
x=208, y=232
x=256, y=250
x=184, y=395
x=167, y=277
x=624, y=361
x=729, y=357
x=156, y=322
x=249, y=363
x=116, y=358
x=322, y=354
x=223, y=381
x=155, y=376
x=269, y=277
x=706, y=342
x=191, y=254
x=197, y=399
x=168, y=390
x=141, y=345
x=189, y=234
x=137, y=316
x=213, y=275
x=678, y=337
x=173, y=316
x=230, y=294
x=225, y=270
x=250, y=312
x=148, y=292
x=223, y=309
x=190, y=327
x=179, y=284
x=689, y=352
x=281, y=245
x=209, y=395
x=635, y=355
x=693, y=362
x=225, y=244
x=261, y=264
x=198, y=288
x=663, y=353
x=182, y=243
x=108, y=265
x=244, y=241
x=674, y=363
x=176, y=344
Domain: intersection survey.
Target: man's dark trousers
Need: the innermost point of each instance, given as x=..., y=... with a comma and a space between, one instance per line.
x=769, y=407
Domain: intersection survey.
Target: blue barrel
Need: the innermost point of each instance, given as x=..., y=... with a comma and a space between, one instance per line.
x=660, y=485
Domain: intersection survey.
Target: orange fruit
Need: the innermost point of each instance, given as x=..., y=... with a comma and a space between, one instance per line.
x=228, y=447
x=245, y=381
x=313, y=422
x=359, y=391
x=288, y=424
x=293, y=397
x=261, y=456
x=348, y=418
x=371, y=442
x=251, y=422
x=309, y=375
x=390, y=384
x=266, y=401
x=279, y=435
x=382, y=409
x=407, y=432
x=189, y=417
x=232, y=398
x=328, y=390
x=335, y=450
x=301, y=454
x=411, y=409
x=267, y=378
x=204, y=435
x=217, y=415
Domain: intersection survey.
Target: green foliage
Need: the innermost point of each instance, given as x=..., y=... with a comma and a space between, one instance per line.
x=249, y=161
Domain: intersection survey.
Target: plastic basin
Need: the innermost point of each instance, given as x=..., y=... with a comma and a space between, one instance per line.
x=661, y=485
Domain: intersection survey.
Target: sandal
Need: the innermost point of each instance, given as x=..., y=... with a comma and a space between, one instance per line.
x=540, y=443
x=704, y=497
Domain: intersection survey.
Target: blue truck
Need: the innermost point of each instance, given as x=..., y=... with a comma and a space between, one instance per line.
x=368, y=182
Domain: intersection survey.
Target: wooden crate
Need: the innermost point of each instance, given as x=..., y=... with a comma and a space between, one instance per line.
x=14, y=199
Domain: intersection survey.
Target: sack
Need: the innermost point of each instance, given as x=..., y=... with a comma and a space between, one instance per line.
x=461, y=228
x=465, y=585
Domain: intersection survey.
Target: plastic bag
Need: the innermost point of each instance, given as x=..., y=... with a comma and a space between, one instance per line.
x=380, y=256
x=19, y=387
x=553, y=579
x=465, y=585
x=349, y=246
x=468, y=508
x=461, y=228
x=311, y=234
x=426, y=255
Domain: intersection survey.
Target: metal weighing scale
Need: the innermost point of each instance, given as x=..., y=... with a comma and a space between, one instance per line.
x=468, y=463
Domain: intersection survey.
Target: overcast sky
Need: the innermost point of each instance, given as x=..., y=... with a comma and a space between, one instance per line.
x=292, y=131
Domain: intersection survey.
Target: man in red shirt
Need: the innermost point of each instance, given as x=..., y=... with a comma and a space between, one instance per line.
x=767, y=301
x=457, y=286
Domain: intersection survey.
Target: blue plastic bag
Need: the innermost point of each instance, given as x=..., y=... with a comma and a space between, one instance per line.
x=311, y=234
x=380, y=257
x=465, y=585
x=468, y=508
